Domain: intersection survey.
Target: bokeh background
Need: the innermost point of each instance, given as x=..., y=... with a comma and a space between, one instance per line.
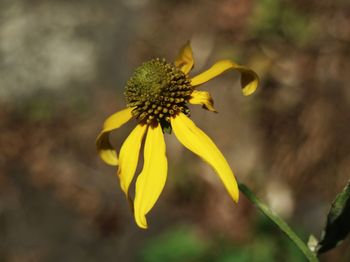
x=63, y=67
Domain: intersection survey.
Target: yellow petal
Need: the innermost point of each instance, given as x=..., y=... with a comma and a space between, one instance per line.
x=249, y=79
x=151, y=181
x=104, y=147
x=202, y=98
x=184, y=60
x=199, y=143
x=128, y=157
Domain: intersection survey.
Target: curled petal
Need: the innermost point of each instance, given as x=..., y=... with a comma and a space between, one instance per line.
x=151, y=181
x=203, y=98
x=104, y=147
x=128, y=157
x=249, y=79
x=199, y=143
x=184, y=60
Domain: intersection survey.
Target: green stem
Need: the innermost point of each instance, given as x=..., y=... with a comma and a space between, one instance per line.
x=282, y=225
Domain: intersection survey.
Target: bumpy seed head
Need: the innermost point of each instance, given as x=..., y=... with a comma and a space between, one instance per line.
x=158, y=90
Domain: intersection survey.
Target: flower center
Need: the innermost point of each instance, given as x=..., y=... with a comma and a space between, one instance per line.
x=158, y=90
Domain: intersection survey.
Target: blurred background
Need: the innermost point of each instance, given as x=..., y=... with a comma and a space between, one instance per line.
x=63, y=67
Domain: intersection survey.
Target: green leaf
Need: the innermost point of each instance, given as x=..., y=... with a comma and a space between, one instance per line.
x=338, y=222
x=279, y=222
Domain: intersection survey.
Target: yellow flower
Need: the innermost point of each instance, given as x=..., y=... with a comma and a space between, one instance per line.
x=157, y=96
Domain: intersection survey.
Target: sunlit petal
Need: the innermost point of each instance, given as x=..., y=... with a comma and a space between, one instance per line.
x=129, y=155
x=202, y=98
x=104, y=147
x=249, y=79
x=184, y=60
x=199, y=143
x=151, y=181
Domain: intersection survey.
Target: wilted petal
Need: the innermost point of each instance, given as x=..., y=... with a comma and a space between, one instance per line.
x=249, y=79
x=199, y=143
x=128, y=157
x=184, y=60
x=202, y=98
x=104, y=147
x=151, y=181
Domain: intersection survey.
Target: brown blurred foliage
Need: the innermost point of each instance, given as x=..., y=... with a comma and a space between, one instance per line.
x=63, y=67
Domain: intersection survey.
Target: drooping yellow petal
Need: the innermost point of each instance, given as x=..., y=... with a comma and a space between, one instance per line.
x=104, y=147
x=249, y=79
x=128, y=157
x=151, y=181
x=199, y=143
x=202, y=98
x=184, y=60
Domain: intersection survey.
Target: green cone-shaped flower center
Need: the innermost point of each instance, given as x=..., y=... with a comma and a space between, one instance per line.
x=158, y=90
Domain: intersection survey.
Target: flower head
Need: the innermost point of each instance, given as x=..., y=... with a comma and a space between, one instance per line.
x=157, y=96
x=158, y=91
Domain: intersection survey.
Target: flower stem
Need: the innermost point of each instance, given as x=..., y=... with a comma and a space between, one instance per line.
x=282, y=225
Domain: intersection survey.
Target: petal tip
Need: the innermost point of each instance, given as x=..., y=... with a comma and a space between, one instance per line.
x=236, y=198
x=109, y=157
x=249, y=82
x=141, y=221
x=250, y=89
x=234, y=193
